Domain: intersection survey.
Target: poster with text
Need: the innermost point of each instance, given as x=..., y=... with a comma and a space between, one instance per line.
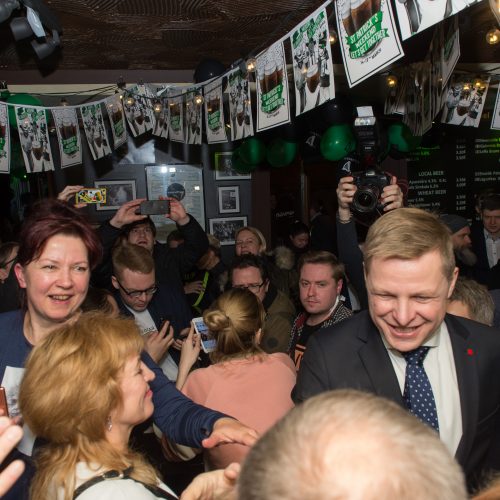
x=161, y=120
x=115, y=113
x=240, y=105
x=68, y=136
x=95, y=131
x=214, y=114
x=273, y=101
x=176, y=118
x=4, y=139
x=368, y=38
x=193, y=117
x=137, y=104
x=495, y=122
x=415, y=16
x=450, y=48
x=34, y=138
x=312, y=62
x=464, y=102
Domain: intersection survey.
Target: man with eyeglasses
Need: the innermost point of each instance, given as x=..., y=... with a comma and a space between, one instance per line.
x=250, y=271
x=170, y=263
x=160, y=311
x=320, y=283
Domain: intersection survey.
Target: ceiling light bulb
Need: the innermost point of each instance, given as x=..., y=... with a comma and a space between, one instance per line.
x=333, y=37
x=64, y=102
x=198, y=99
x=157, y=107
x=251, y=64
x=478, y=83
x=130, y=101
x=392, y=81
x=493, y=36
x=466, y=86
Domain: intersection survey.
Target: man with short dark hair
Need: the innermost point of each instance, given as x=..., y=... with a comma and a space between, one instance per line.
x=250, y=271
x=320, y=282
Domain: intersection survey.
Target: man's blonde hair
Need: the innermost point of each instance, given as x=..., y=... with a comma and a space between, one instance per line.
x=133, y=257
x=407, y=234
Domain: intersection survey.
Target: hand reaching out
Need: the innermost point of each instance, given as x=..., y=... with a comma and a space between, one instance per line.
x=157, y=343
x=10, y=435
x=126, y=214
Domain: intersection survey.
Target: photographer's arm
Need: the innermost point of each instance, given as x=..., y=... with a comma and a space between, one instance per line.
x=392, y=196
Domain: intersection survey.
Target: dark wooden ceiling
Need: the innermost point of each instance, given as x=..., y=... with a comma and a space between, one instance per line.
x=177, y=34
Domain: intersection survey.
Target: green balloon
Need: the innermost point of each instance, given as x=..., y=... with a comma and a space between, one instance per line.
x=239, y=165
x=24, y=99
x=337, y=142
x=281, y=153
x=252, y=151
x=400, y=138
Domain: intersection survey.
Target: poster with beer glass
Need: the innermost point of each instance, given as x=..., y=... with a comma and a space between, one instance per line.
x=176, y=118
x=68, y=136
x=4, y=139
x=495, y=122
x=240, y=105
x=273, y=102
x=193, y=117
x=34, y=138
x=415, y=16
x=95, y=131
x=368, y=38
x=312, y=62
x=137, y=103
x=160, y=128
x=450, y=47
x=214, y=115
x=115, y=114
x=465, y=101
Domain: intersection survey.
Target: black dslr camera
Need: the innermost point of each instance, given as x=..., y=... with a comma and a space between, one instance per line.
x=370, y=184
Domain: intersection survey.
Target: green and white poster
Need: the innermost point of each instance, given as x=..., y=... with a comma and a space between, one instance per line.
x=95, y=131
x=240, y=105
x=176, y=118
x=312, y=62
x=68, y=136
x=214, y=113
x=273, y=101
x=116, y=118
x=4, y=139
x=368, y=38
x=193, y=117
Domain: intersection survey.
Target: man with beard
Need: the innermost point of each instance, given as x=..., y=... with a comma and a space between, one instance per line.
x=462, y=245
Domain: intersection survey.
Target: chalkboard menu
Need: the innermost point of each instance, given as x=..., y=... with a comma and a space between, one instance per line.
x=445, y=177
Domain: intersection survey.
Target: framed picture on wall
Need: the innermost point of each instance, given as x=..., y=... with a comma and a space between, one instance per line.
x=229, y=199
x=224, y=229
x=224, y=168
x=117, y=193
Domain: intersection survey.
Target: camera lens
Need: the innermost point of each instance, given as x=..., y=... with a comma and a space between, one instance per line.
x=365, y=199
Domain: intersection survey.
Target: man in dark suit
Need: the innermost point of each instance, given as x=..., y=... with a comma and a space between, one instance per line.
x=408, y=349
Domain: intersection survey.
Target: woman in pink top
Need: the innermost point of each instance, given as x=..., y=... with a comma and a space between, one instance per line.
x=244, y=381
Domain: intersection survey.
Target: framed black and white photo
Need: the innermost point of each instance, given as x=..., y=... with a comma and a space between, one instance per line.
x=117, y=193
x=224, y=229
x=229, y=199
x=224, y=170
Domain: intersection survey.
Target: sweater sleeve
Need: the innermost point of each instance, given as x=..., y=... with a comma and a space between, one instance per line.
x=181, y=420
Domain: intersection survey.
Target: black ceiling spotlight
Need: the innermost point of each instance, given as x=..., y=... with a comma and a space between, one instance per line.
x=38, y=22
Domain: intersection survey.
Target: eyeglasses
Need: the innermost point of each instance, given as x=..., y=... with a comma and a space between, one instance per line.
x=253, y=287
x=137, y=293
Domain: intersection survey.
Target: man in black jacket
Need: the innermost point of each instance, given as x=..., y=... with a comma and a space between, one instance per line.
x=170, y=263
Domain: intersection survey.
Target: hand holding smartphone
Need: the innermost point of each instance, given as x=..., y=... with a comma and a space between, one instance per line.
x=4, y=408
x=208, y=343
x=154, y=207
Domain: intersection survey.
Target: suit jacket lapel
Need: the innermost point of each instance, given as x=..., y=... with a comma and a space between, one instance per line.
x=468, y=385
x=377, y=363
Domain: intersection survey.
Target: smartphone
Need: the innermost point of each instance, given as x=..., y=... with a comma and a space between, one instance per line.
x=3, y=402
x=208, y=343
x=154, y=207
x=91, y=195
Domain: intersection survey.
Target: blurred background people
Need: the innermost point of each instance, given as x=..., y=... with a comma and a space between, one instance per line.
x=10, y=298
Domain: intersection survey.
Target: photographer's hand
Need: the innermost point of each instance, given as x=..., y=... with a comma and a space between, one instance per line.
x=345, y=194
x=392, y=196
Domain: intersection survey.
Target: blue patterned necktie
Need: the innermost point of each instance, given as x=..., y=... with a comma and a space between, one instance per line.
x=418, y=394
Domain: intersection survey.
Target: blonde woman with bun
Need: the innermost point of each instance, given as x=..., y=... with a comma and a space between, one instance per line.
x=243, y=381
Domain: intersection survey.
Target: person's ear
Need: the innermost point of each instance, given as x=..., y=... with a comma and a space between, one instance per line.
x=266, y=286
x=258, y=336
x=340, y=282
x=19, y=270
x=453, y=282
x=114, y=281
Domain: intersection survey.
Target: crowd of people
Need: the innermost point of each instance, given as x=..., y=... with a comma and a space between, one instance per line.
x=390, y=349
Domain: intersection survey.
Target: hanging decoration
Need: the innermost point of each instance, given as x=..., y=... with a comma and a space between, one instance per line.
x=369, y=41
x=4, y=139
x=34, y=138
x=312, y=62
x=193, y=117
x=281, y=153
x=95, y=130
x=400, y=140
x=161, y=119
x=449, y=36
x=68, y=136
x=239, y=165
x=418, y=15
x=338, y=141
x=24, y=99
x=176, y=118
x=115, y=113
x=137, y=106
x=214, y=114
x=253, y=151
x=240, y=105
x=273, y=105
x=495, y=122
